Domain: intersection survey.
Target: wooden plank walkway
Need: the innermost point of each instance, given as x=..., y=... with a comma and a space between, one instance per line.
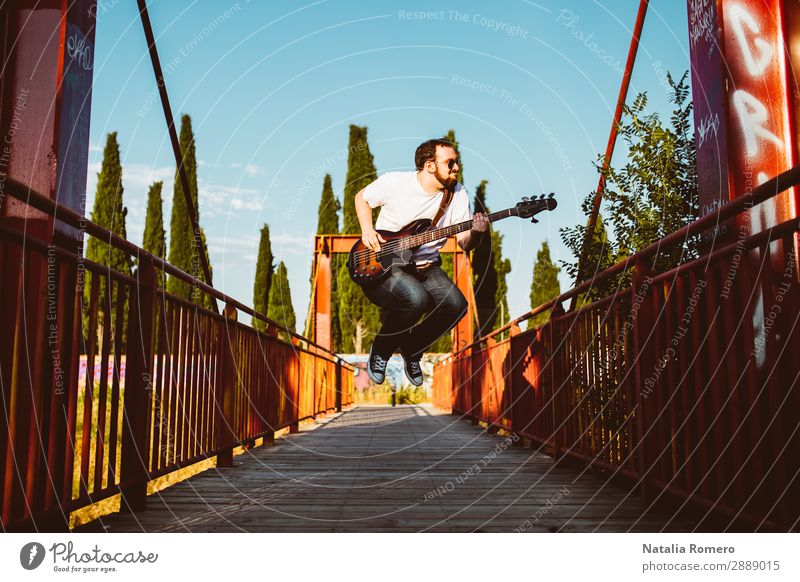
x=378, y=468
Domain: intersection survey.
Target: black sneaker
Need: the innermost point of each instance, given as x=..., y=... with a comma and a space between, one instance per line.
x=413, y=371
x=376, y=367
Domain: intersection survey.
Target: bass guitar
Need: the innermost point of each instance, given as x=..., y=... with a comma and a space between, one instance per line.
x=367, y=267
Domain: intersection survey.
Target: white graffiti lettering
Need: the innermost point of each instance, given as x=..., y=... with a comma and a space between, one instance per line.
x=752, y=118
x=709, y=125
x=740, y=18
x=80, y=51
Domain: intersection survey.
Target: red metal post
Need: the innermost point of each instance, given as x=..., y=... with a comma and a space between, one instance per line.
x=322, y=333
x=791, y=32
x=746, y=99
x=45, y=99
x=558, y=375
x=137, y=401
x=61, y=438
x=292, y=388
x=46, y=102
x=641, y=360
x=339, y=372
x=708, y=95
x=745, y=102
x=463, y=332
x=228, y=383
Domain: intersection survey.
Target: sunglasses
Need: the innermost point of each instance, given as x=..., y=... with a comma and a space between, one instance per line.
x=450, y=163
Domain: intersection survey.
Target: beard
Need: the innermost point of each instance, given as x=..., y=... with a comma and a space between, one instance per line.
x=446, y=181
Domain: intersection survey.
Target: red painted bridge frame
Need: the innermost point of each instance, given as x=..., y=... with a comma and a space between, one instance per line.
x=196, y=383
x=320, y=305
x=662, y=383
x=686, y=382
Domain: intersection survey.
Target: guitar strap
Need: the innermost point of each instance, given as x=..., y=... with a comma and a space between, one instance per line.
x=446, y=199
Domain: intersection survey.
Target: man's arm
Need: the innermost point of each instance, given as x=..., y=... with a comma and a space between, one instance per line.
x=369, y=236
x=470, y=239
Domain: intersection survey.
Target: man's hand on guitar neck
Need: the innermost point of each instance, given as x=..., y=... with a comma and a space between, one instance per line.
x=480, y=222
x=470, y=239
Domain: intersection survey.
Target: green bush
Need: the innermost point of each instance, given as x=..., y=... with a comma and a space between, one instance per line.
x=409, y=395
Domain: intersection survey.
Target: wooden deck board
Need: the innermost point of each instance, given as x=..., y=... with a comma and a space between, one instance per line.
x=378, y=469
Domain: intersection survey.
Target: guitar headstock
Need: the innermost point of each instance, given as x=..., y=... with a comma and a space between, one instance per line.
x=530, y=207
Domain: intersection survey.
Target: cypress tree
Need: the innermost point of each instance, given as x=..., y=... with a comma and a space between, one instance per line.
x=484, y=274
x=328, y=211
x=201, y=298
x=360, y=172
x=108, y=212
x=264, y=275
x=502, y=267
x=182, y=247
x=328, y=223
x=359, y=318
x=544, y=285
x=489, y=270
x=451, y=137
x=154, y=234
x=280, y=307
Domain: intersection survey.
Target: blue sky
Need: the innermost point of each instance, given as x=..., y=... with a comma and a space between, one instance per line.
x=529, y=87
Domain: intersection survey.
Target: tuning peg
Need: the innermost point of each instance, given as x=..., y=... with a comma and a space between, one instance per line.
x=541, y=197
x=534, y=221
x=525, y=198
x=552, y=194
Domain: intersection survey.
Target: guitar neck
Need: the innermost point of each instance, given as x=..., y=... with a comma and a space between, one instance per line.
x=448, y=231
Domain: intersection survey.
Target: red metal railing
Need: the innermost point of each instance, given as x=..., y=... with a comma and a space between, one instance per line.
x=663, y=383
x=195, y=383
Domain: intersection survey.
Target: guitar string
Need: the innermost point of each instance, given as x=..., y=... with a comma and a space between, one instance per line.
x=392, y=246
x=395, y=245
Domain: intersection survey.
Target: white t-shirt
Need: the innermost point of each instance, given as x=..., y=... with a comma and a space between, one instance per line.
x=402, y=200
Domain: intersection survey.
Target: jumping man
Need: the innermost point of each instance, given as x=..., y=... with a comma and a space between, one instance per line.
x=423, y=289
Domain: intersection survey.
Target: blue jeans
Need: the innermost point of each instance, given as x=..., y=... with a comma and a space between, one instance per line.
x=406, y=296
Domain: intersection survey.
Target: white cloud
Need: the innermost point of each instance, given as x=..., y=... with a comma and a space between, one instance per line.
x=253, y=170
x=229, y=251
x=234, y=247
x=142, y=176
x=239, y=204
x=135, y=177
x=292, y=244
x=249, y=169
x=220, y=198
x=234, y=243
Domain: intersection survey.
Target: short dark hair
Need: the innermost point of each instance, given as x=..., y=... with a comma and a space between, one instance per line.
x=427, y=151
